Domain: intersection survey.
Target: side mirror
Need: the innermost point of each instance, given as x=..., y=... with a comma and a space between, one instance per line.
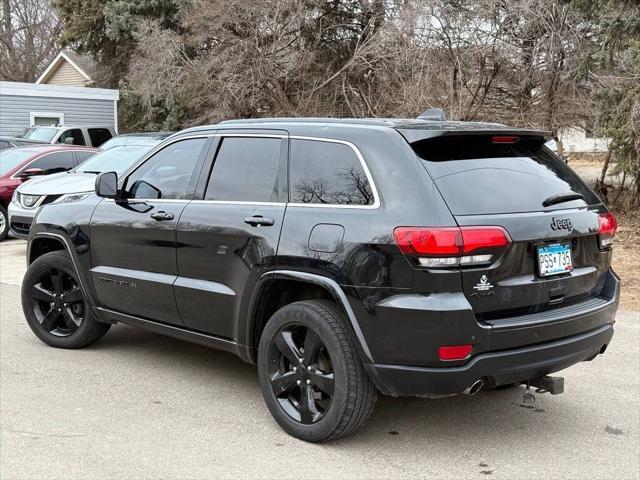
x=107, y=185
x=30, y=172
x=143, y=189
x=68, y=141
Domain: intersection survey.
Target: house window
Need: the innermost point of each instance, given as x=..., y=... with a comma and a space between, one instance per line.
x=46, y=118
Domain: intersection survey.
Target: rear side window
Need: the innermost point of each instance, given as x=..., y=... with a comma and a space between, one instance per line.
x=477, y=176
x=327, y=173
x=248, y=170
x=98, y=136
x=72, y=137
x=53, y=162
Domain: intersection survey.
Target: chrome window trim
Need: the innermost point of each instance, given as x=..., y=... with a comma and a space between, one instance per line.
x=363, y=163
x=242, y=202
x=220, y=133
x=171, y=141
x=144, y=200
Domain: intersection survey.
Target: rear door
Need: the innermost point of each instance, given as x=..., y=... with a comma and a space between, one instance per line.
x=228, y=236
x=551, y=216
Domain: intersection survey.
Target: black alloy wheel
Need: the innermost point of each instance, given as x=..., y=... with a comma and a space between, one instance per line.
x=311, y=376
x=54, y=304
x=301, y=373
x=57, y=302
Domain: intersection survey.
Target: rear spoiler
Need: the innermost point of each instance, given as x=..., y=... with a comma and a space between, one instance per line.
x=414, y=134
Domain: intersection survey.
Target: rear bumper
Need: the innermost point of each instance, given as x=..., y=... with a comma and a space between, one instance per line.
x=507, y=351
x=495, y=368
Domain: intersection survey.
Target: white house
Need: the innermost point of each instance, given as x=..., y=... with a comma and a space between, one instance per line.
x=580, y=140
x=60, y=96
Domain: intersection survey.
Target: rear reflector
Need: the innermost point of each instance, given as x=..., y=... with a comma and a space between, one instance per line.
x=434, y=247
x=454, y=352
x=504, y=139
x=607, y=226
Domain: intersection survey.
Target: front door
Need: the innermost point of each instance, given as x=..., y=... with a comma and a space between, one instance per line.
x=133, y=241
x=229, y=234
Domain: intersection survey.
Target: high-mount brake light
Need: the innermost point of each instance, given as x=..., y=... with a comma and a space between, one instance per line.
x=504, y=139
x=607, y=226
x=441, y=247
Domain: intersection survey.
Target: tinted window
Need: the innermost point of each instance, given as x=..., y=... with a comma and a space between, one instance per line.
x=98, y=136
x=53, y=162
x=246, y=169
x=75, y=135
x=329, y=173
x=166, y=174
x=477, y=176
x=84, y=155
x=4, y=145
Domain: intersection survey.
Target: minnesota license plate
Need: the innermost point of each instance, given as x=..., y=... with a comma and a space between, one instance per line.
x=554, y=259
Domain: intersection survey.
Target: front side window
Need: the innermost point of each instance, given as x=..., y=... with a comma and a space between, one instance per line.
x=72, y=137
x=168, y=173
x=327, y=173
x=246, y=169
x=53, y=163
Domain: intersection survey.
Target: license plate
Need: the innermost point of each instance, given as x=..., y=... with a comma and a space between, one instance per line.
x=554, y=259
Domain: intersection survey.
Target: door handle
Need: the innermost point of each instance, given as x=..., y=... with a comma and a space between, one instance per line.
x=259, y=221
x=160, y=216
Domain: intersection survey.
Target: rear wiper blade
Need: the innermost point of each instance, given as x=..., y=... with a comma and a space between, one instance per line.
x=561, y=198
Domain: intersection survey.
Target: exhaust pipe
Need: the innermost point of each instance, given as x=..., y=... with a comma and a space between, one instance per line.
x=474, y=388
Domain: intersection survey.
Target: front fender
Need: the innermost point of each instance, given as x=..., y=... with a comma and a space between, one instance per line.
x=68, y=225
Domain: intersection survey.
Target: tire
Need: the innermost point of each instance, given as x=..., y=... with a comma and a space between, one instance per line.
x=4, y=223
x=54, y=304
x=329, y=364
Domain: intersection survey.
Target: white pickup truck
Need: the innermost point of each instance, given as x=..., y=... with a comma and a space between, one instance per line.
x=87, y=135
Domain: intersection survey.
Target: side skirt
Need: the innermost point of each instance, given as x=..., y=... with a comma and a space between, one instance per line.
x=110, y=316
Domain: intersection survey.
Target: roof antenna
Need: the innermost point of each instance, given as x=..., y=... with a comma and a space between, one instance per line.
x=436, y=114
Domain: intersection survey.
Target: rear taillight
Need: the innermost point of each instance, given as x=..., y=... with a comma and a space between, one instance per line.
x=607, y=226
x=434, y=247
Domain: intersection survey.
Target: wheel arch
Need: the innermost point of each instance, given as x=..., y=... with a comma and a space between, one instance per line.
x=281, y=287
x=43, y=244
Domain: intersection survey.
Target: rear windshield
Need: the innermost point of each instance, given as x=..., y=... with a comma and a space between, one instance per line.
x=477, y=176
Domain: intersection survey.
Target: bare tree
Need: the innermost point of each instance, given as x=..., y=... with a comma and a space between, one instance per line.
x=29, y=38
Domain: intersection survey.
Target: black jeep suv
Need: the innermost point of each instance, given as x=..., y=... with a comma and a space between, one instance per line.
x=343, y=257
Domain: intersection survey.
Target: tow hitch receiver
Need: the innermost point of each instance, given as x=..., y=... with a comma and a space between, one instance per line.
x=553, y=385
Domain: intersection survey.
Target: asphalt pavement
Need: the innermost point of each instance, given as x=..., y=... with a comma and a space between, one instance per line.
x=139, y=405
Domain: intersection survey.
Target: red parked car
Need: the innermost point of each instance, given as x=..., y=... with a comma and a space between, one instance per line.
x=18, y=165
